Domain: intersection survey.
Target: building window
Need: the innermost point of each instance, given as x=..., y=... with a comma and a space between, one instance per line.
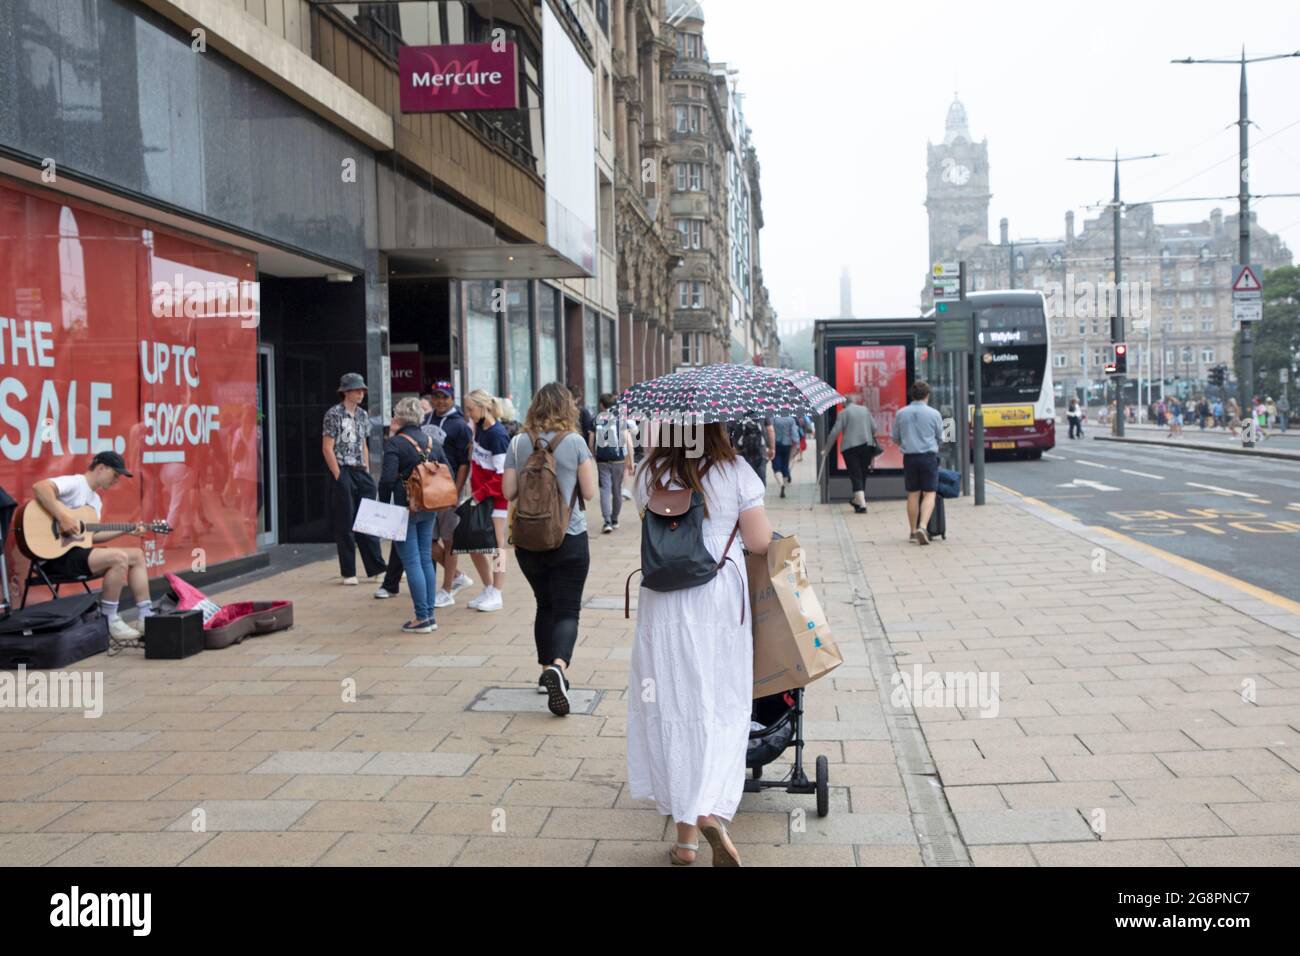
x=690, y=294
x=1058, y=327
x=483, y=348
x=1167, y=324
x=1207, y=355
x=1020, y=262
x=1205, y=252
x=1207, y=323
x=690, y=45
x=548, y=340
x=607, y=347
x=692, y=231
x=1207, y=277
x=1167, y=280
x=690, y=177
x=1166, y=300
x=520, y=331
x=690, y=119
x=590, y=358
x=1058, y=360
x=1187, y=355
x=1171, y=357
x=1083, y=327
x=692, y=344
x=1188, y=323
x=1207, y=298
x=1186, y=276
x=1186, y=300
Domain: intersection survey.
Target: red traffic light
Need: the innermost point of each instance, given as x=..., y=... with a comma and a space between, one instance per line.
x=1121, y=349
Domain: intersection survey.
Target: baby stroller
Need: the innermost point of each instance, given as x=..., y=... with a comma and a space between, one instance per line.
x=781, y=720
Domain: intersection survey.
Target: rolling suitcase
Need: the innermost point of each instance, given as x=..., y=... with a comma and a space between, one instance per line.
x=938, y=524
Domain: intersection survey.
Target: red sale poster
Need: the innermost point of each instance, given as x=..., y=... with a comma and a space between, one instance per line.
x=115, y=335
x=878, y=375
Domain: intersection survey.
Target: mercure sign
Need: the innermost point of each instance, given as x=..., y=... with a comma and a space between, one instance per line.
x=470, y=76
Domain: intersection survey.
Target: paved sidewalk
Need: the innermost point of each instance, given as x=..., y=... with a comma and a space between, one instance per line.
x=1119, y=691
x=285, y=771
x=1123, y=734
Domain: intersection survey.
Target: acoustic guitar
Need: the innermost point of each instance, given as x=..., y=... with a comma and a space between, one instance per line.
x=39, y=537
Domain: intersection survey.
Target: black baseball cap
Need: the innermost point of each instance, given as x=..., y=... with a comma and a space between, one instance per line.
x=442, y=385
x=113, y=460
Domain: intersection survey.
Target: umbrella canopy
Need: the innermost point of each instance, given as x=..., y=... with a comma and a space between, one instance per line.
x=728, y=393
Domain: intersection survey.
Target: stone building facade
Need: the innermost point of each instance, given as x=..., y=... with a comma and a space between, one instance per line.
x=1177, y=275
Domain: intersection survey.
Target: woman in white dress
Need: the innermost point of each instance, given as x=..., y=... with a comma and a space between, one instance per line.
x=692, y=668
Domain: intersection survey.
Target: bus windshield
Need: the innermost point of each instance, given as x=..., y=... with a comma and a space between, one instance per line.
x=1014, y=353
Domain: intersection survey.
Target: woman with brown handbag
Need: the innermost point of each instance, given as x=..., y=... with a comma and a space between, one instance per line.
x=408, y=448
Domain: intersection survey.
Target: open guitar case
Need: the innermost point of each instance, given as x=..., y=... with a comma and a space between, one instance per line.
x=223, y=626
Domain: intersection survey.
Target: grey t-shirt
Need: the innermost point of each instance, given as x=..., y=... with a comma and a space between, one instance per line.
x=571, y=452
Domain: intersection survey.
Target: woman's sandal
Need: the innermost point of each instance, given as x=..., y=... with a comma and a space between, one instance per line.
x=723, y=854
x=677, y=860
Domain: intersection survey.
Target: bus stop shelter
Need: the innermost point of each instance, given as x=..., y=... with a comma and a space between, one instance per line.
x=879, y=359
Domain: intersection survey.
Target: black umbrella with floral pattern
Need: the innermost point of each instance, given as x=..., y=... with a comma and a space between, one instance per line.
x=728, y=393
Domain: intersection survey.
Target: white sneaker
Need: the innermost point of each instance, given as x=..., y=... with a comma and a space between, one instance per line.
x=352, y=580
x=627, y=494
x=607, y=529
x=119, y=630
x=138, y=625
x=491, y=602
x=383, y=594
x=479, y=598
x=462, y=580
x=444, y=598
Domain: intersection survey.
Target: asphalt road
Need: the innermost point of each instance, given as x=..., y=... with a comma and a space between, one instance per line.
x=1239, y=516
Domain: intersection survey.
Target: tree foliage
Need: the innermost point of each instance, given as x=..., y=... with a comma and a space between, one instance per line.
x=1277, y=335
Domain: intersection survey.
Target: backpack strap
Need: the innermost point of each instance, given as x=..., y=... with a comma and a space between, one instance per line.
x=727, y=557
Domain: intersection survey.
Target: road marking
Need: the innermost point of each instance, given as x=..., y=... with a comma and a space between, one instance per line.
x=1143, y=474
x=1083, y=482
x=1217, y=490
x=1260, y=501
x=1090, y=464
x=1048, y=454
x=1293, y=506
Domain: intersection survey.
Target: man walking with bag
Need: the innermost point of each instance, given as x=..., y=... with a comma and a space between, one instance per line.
x=347, y=456
x=918, y=430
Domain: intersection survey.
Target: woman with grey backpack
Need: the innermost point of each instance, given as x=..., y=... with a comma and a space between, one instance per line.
x=549, y=476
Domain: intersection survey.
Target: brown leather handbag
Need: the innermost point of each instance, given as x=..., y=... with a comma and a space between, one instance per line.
x=430, y=485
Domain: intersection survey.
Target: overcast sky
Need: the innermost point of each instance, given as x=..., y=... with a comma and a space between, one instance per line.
x=842, y=95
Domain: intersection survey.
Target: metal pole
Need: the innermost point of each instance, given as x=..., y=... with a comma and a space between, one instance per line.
x=1117, y=322
x=960, y=411
x=1247, y=384
x=977, y=371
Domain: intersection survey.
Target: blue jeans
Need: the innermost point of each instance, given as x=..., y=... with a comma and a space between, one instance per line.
x=417, y=558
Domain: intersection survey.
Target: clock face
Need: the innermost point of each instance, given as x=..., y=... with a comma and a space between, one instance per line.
x=955, y=173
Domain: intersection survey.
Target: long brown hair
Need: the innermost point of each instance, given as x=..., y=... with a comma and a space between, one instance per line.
x=669, y=459
x=552, y=410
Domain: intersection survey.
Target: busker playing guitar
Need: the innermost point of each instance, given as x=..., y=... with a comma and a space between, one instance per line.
x=118, y=565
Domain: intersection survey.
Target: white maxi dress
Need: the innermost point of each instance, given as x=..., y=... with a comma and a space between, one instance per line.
x=690, y=683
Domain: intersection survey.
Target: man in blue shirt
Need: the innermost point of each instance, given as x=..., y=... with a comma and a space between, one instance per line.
x=918, y=431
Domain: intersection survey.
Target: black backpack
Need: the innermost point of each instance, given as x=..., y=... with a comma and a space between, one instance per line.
x=609, y=438
x=673, y=555
x=747, y=438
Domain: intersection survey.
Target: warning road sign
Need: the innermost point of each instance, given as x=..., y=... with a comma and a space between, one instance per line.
x=1245, y=282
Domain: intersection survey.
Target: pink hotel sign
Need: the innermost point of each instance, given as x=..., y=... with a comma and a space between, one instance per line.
x=470, y=76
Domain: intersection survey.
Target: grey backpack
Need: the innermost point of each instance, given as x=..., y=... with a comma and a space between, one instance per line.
x=673, y=554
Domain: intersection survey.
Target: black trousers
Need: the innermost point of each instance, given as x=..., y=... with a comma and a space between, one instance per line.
x=1076, y=428
x=345, y=500
x=557, y=578
x=858, y=459
x=393, y=576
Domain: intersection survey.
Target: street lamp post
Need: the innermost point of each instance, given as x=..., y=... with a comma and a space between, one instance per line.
x=1117, y=320
x=1246, y=386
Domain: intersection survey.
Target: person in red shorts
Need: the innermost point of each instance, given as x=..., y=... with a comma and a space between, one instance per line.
x=487, y=463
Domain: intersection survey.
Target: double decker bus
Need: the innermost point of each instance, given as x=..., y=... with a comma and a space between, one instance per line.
x=1012, y=351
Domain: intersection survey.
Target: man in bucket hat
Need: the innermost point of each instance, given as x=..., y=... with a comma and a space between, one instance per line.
x=347, y=456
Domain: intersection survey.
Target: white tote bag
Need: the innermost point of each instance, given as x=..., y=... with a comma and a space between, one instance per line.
x=381, y=520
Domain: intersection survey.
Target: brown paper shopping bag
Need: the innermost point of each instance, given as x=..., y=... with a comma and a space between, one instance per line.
x=792, y=639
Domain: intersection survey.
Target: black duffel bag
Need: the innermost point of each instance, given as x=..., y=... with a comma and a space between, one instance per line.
x=54, y=634
x=475, y=534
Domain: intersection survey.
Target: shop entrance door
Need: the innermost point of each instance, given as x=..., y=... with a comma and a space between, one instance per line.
x=267, y=484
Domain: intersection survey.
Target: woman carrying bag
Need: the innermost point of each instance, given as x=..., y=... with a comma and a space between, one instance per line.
x=403, y=453
x=487, y=462
x=857, y=426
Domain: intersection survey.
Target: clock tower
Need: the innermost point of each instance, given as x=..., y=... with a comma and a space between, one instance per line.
x=957, y=188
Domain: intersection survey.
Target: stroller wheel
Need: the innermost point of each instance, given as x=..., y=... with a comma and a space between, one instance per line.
x=823, y=787
x=758, y=773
